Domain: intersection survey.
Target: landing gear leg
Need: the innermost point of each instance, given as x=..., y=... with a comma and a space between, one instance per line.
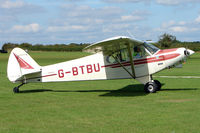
x=16, y=89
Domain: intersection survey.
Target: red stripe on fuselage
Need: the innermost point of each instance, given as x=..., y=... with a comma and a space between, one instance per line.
x=161, y=58
x=49, y=75
x=164, y=51
x=145, y=61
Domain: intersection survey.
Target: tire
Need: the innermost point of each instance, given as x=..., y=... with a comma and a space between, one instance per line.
x=159, y=85
x=150, y=87
x=16, y=90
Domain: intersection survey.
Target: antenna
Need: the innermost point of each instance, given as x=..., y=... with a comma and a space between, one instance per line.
x=130, y=34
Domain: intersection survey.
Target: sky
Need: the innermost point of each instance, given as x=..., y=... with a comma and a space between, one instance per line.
x=84, y=21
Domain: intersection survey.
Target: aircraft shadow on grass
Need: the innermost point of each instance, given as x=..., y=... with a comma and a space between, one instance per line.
x=130, y=90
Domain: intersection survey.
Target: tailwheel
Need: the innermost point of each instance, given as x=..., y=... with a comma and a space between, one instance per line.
x=159, y=85
x=16, y=90
x=150, y=87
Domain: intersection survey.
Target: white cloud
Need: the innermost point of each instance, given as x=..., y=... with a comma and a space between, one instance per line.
x=168, y=24
x=179, y=29
x=182, y=23
x=9, y=7
x=34, y=27
x=168, y=2
x=85, y=11
x=135, y=16
x=115, y=27
x=15, y=13
x=120, y=1
x=66, y=28
x=131, y=18
x=161, y=2
x=101, y=15
x=11, y=4
x=176, y=2
x=197, y=19
x=95, y=19
x=173, y=26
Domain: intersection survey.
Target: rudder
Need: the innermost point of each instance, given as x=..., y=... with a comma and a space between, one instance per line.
x=20, y=63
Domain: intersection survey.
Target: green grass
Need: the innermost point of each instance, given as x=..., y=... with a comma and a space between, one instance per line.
x=111, y=106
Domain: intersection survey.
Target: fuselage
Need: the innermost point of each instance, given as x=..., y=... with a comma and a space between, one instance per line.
x=99, y=67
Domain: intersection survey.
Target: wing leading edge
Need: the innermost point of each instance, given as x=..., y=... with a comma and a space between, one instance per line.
x=112, y=45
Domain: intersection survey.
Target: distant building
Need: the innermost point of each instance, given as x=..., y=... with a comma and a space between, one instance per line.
x=3, y=51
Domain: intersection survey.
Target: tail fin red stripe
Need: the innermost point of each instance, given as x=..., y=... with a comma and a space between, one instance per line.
x=23, y=64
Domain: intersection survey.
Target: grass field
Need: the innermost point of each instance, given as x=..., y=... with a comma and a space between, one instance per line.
x=114, y=106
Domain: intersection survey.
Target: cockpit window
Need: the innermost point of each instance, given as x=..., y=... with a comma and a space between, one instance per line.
x=151, y=48
x=122, y=55
x=139, y=52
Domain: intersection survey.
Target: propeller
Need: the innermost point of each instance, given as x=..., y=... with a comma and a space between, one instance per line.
x=188, y=53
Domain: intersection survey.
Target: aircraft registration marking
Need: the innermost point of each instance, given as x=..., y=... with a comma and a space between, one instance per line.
x=83, y=69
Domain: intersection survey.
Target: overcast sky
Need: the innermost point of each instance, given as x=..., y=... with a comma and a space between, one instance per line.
x=83, y=21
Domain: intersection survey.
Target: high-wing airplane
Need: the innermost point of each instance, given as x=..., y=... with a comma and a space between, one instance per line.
x=114, y=58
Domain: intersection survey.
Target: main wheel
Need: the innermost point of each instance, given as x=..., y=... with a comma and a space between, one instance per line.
x=150, y=87
x=158, y=84
x=16, y=90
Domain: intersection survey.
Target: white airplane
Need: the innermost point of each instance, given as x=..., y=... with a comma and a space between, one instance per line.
x=114, y=58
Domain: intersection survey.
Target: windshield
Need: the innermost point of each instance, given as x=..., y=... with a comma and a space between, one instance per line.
x=151, y=48
x=138, y=52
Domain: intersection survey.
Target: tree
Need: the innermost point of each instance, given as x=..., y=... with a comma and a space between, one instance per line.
x=166, y=40
x=25, y=45
x=8, y=46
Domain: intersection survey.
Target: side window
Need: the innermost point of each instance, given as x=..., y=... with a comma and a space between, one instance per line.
x=121, y=55
x=139, y=52
x=110, y=59
x=124, y=55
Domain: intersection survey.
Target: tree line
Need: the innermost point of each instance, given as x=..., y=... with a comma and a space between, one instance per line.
x=41, y=47
x=165, y=41
x=170, y=41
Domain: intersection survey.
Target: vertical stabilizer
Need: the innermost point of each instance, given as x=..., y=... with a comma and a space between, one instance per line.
x=20, y=63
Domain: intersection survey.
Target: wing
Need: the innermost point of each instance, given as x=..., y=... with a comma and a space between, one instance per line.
x=112, y=45
x=115, y=44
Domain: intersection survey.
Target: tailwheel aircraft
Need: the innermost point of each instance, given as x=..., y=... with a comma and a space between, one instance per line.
x=114, y=58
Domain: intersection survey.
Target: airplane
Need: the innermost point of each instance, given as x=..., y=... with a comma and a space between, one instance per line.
x=118, y=57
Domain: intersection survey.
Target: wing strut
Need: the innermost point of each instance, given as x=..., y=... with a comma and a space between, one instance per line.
x=117, y=59
x=131, y=61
